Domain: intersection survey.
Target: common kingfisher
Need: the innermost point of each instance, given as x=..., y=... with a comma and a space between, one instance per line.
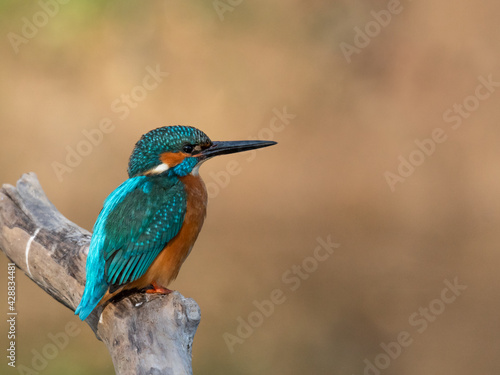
x=149, y=224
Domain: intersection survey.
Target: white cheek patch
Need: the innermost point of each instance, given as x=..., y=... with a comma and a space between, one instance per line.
x=159, y=169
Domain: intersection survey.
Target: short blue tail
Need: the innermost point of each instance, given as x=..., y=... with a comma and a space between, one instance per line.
x=90, y=299
x=95, y=285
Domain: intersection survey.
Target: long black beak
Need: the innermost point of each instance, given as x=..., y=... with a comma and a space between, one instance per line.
x=230, y=147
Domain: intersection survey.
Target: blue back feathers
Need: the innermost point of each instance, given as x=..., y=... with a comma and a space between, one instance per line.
x=140, y=226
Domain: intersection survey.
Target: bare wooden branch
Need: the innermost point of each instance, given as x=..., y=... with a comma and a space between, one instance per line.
x=144, y=333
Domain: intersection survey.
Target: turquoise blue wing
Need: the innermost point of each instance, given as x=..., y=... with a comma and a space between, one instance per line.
x=139, y=227
x=136, y=222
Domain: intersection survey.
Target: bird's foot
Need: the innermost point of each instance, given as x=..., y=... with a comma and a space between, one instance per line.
x=158, y=289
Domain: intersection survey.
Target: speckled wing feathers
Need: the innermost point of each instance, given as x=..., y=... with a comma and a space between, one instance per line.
x=153, y=213
x=137, y=221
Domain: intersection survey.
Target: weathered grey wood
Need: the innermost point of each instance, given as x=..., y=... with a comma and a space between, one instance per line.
x=144, y=333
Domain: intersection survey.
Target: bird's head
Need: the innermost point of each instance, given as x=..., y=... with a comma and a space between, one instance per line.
x=179, y=150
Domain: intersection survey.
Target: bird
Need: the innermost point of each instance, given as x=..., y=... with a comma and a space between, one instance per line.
x=149, y=224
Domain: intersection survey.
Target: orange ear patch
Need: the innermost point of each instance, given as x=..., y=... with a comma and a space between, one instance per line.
x=173, y=158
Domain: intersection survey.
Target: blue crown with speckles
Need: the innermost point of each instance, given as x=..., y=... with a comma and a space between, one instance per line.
x=147, y=150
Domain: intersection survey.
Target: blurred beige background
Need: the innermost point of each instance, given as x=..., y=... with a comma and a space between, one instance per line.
x=364, y=84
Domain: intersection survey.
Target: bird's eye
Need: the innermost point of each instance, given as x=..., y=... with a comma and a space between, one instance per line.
x=188, y=149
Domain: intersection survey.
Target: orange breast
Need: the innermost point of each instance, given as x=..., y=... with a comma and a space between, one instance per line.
x=167, y=264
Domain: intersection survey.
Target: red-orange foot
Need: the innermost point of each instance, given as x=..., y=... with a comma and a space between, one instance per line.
x=158, y=289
